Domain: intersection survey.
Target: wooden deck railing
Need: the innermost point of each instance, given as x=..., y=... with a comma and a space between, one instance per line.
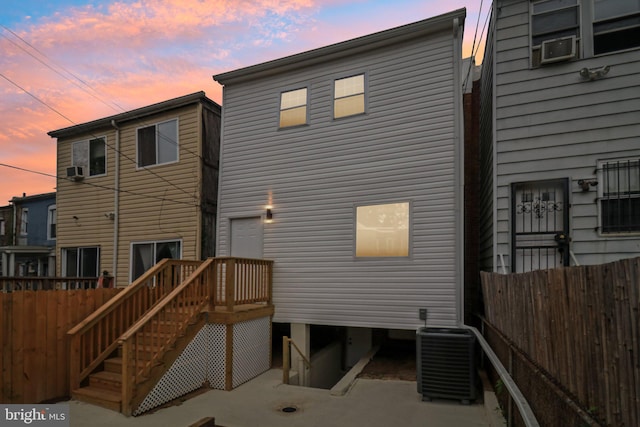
x=11, y=284
x=241, y=281
x=223, y=281
x=95, y=338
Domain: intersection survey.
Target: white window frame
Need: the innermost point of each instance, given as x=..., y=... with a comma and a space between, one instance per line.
x=339, y=96
x=285, y=106
x=601, y=188
x=158, y=144
x=586, y=33
x=409, y=230
x=86, y=165
x=52, y=219
x=154, y=254
x=2, y=227
x=64, y=253
x=24, y=221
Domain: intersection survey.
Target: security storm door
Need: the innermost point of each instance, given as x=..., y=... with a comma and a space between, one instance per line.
x=246, y=237
x=540, y=225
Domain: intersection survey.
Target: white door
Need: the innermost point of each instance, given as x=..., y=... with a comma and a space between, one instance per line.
x=246, y=237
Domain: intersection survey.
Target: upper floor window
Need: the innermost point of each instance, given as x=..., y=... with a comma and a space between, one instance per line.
x=382, y=230
x=293, y=108
x=158, y=144
x=616, y=25
x=2, y=230
x=619, y=191
x=24, y=221
x=90, y=156
x=52, y=221
x=567, y=29
x=348, y=98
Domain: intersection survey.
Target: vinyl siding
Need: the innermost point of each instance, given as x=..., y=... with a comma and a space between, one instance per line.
x=552, y=123
x=402, y=149
x=156, y=203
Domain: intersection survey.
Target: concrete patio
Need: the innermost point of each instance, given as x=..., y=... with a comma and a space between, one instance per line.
x=259, y=402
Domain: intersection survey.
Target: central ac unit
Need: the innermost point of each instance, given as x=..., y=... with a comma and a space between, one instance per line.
x=557, y=50
x=75, y=173
x=446, y=364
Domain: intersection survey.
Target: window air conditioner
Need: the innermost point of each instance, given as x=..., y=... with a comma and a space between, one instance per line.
x=557, y=50
x=75, y=172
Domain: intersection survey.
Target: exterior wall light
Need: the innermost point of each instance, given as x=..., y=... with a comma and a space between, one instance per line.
x=268, y=218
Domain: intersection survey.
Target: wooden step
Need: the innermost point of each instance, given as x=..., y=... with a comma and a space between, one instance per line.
x=99, y=396
x=113, y=364
x=106, y=380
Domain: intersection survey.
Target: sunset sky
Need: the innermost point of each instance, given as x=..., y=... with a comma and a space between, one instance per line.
x=66, y=62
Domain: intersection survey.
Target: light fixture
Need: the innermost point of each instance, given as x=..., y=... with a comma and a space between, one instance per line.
x=586, y=183
x=594, y=73
x=268, y=218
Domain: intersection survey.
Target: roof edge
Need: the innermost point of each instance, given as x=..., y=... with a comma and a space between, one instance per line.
x=133, y=114
x=349, y=47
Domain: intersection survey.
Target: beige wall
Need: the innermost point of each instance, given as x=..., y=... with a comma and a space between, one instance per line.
x=157, y=203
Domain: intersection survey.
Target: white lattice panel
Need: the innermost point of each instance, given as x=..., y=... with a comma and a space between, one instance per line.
x=217, y=355
x=251, y=346
x=187, y=374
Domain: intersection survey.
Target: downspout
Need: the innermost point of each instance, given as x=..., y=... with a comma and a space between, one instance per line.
x=116, y=206
x=458, y=167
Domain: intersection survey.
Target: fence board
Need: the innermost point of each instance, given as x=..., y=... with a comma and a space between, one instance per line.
x=580, y=325
x=34, y=366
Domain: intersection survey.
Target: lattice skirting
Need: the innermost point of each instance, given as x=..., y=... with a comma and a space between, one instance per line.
x=205, y=359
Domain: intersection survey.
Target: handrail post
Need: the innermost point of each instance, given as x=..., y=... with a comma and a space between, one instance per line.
x=230, y=283
x=211, y=285
x=74, y=362
x=285, y=360
x=126, y=379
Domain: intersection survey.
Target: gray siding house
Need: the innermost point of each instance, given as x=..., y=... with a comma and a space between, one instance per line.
x=560, y=134
x=344, y=165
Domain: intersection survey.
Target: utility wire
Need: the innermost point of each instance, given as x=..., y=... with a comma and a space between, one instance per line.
x=473, y=46
x=134, y=193
x=95, y=136
x=94, y=93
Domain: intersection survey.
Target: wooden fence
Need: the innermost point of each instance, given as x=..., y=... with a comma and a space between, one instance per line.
x=580, y=325
x=34, y=366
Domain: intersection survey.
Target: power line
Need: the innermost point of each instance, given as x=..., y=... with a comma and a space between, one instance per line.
x=95, y=93
x=95, y=136
x=134, y=193
x=473, y=45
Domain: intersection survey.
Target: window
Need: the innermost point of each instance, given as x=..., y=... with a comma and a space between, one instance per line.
x=619, y=191
x=52, y=221
x=616, y=25
x=146, y=255
x=2, y=231
x=90, y=156
x=382, y=230
x=24, y=221
x=80, y=262
x=608, y=26
x=293, y=108
x=348, y=98
x=158, y=144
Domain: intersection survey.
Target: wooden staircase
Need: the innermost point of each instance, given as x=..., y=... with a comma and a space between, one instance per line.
x=122, y=350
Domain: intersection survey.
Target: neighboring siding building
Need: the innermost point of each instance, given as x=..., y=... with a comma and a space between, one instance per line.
x=29, y=236
x=560, y=132
x=137, y=187
x=344, y=165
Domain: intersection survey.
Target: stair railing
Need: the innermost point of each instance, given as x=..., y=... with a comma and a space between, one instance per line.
x=96, y=337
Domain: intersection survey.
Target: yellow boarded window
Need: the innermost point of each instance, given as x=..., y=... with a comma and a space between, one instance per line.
x=382, y=230
x=348, y=96
x=293, y=108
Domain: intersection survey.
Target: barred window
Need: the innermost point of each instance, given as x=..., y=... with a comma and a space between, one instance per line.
x=620, y=195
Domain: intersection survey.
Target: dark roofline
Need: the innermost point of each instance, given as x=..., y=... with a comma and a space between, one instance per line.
x=346, y=48
x=18, y=199
x=134, y=114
